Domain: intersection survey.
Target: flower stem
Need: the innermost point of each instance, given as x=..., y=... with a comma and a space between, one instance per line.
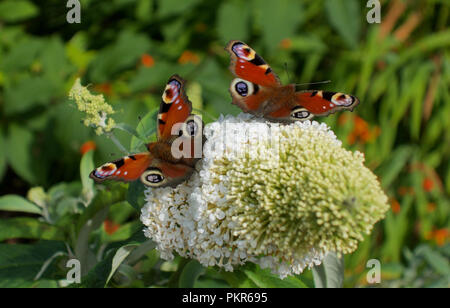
x=117, y=143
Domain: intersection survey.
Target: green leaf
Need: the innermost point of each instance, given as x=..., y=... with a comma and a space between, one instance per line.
x=28, y=93
x=233, y=21
x=120, y=255
x=438, y=262
x=104, y=198
x=238, y=279
x=127, y=128
x=86, y=166
x=20, y=263
x=145, y=128
x=392, y=168
x=190, y=274
x=17, y=10
x=345, y=17
x=98, y=275
x=135, y=194
x=19, y=152
x=16, y=203
x=265, y=279
x=123, y=233
x=277, y=19
x=119, y=55
x=2, y=156
x=28, y=228
x=330, y=274
x=173, y=7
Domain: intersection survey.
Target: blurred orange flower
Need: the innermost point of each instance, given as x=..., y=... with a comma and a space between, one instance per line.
x=147, y=60
x=188, y=56
x=343, y=119
x=286, y=43
x=428, y=184
x=361, y=131
x=395, y=206
x=87, y=146
x=104, y=88
x=110, y=226
x=403, y=190
x=440, y=236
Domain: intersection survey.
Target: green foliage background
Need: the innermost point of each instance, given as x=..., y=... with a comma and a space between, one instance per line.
x=127, y=49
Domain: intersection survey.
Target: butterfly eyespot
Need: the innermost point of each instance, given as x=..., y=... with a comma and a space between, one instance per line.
x=153, y=177
x=342, y=99
x=300, y=113
x=243, y=51
x=171, y=91
x=242, y=87
x=193, y=125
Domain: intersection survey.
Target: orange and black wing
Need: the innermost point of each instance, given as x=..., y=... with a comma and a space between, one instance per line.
x=322, y=103
x=128, y=168
x=248, y=65
x=175, y=107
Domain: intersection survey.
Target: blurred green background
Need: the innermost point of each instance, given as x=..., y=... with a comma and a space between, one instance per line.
x=127, y=49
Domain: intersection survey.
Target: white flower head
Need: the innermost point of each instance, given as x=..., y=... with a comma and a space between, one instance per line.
x=281, y=196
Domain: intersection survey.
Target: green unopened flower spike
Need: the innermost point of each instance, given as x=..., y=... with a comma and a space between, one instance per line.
x=95, y=107
x=281, y=196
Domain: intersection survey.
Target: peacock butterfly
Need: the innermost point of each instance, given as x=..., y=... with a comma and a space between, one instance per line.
x=258, y=90
x=159, y=166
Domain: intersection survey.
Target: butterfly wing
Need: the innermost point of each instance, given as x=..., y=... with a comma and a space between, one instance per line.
x=322, y=103
x=175, y=107
x=128, y=168
x=161, y=174
x=248, y=65
x=257, y=88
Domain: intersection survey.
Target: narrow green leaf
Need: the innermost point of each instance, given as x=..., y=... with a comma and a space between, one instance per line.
x=334, y=270
x=438, y=262
x=344, y=16
x=190, y=274
x=86, y=166
x=391, y=169
x=320, y=278
x=120, y=255
x=2, y=156
x=19, y=152
x=16, y=203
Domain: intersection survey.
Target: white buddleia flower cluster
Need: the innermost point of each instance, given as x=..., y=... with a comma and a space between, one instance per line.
x=281, y=196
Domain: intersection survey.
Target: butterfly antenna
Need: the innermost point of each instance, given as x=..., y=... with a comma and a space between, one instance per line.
x=310, y=83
